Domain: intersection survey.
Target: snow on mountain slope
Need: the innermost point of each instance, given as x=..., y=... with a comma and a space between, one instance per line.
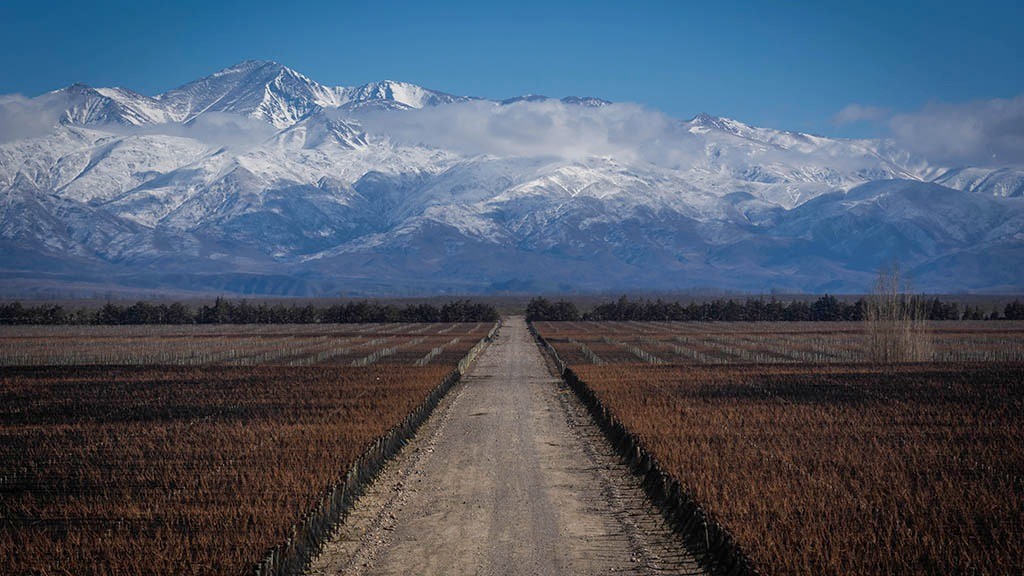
x=264, y=90
x=90, y=165
x=257, y=178
x=319, y=129
x=83, y=105
x=927, y=218
x=111, y=168
x=389, y=94
x=1005, y=182
x=773, y=156
x=912, y=222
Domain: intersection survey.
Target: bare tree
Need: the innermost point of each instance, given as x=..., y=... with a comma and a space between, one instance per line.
x=895, y=326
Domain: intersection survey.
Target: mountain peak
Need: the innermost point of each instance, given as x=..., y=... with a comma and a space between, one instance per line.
x=586, y=101
x=261, y=89
x=525, y=98
x=76, y=89
x=392, y=94
x=249, y=66
x=82, y=105
x=257, y=72
x=707, y=121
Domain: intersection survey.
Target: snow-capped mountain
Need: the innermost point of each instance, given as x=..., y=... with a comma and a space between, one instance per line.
x=267, y=91
x=81, y=105
x=391, y=95
x=257, y=179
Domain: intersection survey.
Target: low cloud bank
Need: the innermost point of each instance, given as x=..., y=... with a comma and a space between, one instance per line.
x=982, y=132
x=854, y=113
x=22, y=117
x=987, y=132
x=626, y=132
x=218, y=129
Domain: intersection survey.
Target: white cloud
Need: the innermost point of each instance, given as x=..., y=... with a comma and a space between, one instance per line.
x=536, y=129
x=21, y=117
x=988, y=132
x=219, y=129
x=854, y=113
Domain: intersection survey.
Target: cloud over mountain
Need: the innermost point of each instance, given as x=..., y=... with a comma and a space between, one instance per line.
x=21, y=117
x=217, y=129
x=988, y=132
x=258, y=179
x=854, y=113
x=627, y=132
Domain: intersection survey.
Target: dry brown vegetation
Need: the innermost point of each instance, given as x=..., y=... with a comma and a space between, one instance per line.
x=179, y=471
x=824, y=468
x=895, y=325
x=176, y=469
x=237, y=345
x=770, y=342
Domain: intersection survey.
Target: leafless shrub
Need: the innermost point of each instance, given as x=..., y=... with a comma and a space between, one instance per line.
x=895, y=326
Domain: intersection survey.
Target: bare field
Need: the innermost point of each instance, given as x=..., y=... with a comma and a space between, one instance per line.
x=767, y=342
x=171, y=468
x=239, y=345
x=830, y=467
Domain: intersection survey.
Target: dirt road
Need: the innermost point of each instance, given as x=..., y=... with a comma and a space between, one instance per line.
x=509, y=476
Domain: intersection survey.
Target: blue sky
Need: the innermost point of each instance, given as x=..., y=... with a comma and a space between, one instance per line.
x=790, y=65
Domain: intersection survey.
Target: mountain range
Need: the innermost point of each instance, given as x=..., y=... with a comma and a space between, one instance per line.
x=259, y=180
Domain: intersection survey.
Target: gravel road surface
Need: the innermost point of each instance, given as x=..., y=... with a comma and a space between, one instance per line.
x=509, y=476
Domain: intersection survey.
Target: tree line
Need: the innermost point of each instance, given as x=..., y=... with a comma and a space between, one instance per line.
x=224, y=311
x=827, y=308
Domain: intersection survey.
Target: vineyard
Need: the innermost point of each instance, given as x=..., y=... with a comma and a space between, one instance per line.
x=766, y=342
x=194, y=450
x=239, y=345
x=814, y=460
